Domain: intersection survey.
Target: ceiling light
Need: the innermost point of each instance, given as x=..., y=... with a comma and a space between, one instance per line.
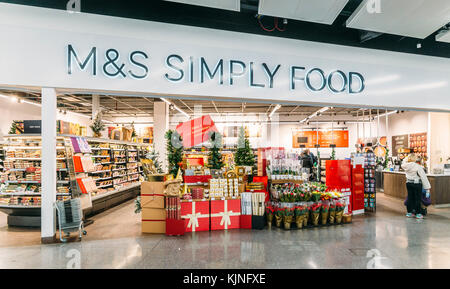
x=277, y=107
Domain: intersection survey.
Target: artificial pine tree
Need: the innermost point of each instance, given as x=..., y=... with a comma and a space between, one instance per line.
x=13, y=128
x=97, y=125
x=333, y=154
x=133, y=131
x=244, y=155
x=154, y=156
x=174, y=146
x=215, y=157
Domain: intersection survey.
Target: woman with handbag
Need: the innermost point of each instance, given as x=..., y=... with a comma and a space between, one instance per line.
x=416, y=180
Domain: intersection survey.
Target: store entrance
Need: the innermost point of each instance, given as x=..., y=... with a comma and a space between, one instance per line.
x=263, y=158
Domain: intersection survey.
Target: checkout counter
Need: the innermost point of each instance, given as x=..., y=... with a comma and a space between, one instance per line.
x=395, y=185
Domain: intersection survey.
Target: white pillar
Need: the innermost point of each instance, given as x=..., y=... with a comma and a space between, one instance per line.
x=160, y=127
x=48, y=197
x=95, y=105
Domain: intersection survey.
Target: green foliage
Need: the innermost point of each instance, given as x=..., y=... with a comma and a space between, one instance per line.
x=386, y=158
x=154, y=156
x=244, y=155
x=137, y=205
x=174, y=146
x=215, y=160
x=13, y=128
x=333, y=154
x=133, y=132
x=97, y=125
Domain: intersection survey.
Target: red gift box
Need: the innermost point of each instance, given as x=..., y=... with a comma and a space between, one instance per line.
x=174, y=227
x=197, y=179
x=246, y=221
x=195, y=215
x=225, y=214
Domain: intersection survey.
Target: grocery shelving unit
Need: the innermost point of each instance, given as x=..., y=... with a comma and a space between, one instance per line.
x=20, y=194
x=118, y=171
x=117, y=175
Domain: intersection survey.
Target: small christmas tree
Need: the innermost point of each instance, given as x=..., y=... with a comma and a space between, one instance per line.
x=174, y=146
x=215, y=157
x=13, y=128
x=333, y=153
x=154, y=156
x=97, y=125
x=133, y=131
x=244, y=155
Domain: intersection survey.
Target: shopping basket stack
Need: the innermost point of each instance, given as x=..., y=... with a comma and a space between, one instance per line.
x=70, y=218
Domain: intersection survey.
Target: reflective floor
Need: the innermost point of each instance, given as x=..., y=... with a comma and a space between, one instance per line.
x=383, y=240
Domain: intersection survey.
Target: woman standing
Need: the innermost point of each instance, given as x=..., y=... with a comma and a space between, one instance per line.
x=416, y=180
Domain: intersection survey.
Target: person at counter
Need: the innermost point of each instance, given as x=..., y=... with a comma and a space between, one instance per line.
x=416, y=181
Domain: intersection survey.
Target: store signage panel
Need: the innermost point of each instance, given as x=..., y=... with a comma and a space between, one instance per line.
x=134, y=57
x=196, y=131
x=308, y=139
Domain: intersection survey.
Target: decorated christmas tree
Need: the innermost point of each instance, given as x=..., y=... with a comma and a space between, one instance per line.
x=244, y=155
x=97, y=125
x=215, y=157
x=133, y=131
x=154, y=156
x=174, y=146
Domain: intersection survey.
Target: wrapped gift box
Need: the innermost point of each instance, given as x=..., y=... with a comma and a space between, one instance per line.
x=196, y=216
x=196, y=179
x=225, y=214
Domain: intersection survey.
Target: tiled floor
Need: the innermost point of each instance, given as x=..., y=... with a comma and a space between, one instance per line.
x=382, y=240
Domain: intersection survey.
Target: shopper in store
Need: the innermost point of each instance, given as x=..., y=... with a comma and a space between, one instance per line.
x=307, y=159
x=416, y=180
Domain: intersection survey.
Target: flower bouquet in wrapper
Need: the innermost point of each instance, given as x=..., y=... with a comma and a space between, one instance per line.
x=306, y=216
x=332, y=215
x=325, y=209
x=278, y=217
x=300, y=212
x=270, y=211
x=288, y=216
x=314, y=210
x=340, y=207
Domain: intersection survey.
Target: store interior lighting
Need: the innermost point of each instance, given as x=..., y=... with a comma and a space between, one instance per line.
x=322, y=110
x=277, y=107
x=175, y=107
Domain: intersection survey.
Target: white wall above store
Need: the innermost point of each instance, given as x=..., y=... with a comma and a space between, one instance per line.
x=233, y=5
x=319, y=11
x=413, y=18
x=262, y=65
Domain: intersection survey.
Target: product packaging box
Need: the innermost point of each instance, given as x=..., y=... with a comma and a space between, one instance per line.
x=246, y=221
x=153, y=220
x=225, y=214
x=258, y=222
x=152, y=195
x=196, y=215
x=175, y=227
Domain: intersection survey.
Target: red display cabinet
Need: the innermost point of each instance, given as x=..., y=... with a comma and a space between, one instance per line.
x=357, y=198
x=349, y=179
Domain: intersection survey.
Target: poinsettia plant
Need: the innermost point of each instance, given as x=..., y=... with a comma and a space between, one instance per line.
x=340, y=206
x=315, y=208
x=289, y=212
x=270, y=210
x=301, y=210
